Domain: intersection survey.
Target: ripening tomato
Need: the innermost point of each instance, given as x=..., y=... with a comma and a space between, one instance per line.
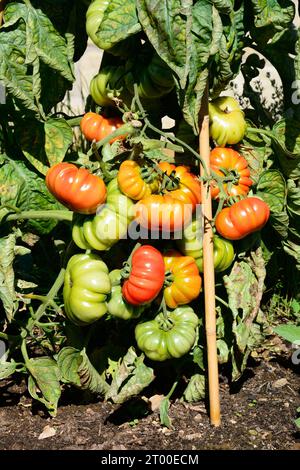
x=136, y=182
x=182, y=184
x=182, y=279
x=97, y=127
x=146, y=277
x=76, y=188
x=226, y=162
x=162, y=213
x=242, y=218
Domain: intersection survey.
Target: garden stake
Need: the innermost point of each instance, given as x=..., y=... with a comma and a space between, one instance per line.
x=208, y=269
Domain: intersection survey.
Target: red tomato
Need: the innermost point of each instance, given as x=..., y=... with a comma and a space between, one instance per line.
x=96, y=127
x=76, y=188
x=146, y=277
x=242, y=218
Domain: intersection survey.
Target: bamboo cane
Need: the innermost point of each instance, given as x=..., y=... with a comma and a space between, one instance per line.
x=209, y=273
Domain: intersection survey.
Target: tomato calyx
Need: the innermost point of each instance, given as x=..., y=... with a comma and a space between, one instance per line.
x=169, y=278
x=165, y=323
x=148, y=174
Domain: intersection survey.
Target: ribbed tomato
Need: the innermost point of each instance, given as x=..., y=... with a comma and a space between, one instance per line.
x=136, y=182
x=162, y=213
x=242, y=218
x=97, y=127
x=146, y=277
x=182, y=184
x=76, y=188
x=226, y=162
x=182, y=279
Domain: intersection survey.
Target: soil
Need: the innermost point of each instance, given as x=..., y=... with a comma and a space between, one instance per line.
x=257, y=413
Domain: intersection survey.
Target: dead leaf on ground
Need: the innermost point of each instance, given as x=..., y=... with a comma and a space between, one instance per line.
x=155, y=402
x=48, y=431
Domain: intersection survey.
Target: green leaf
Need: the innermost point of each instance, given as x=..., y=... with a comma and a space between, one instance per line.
x=224, y=6
x=7, y=369
x=42, y=40
x=287, y=146
x=293, y=204
x=195, y=390
x=280, y=223
x=271, y=188
x=297, y=422
x=43, y=382
x=289, y=332
x=58, y=138
x=223, y=351
x=119, y=22
x=206, y=33
x=76, y=369
x=257, y=150
x=13, y=69
x=271, y=18
x=292, y=249
x=7, y=276
x=130, y=377
x=167, y=24
x=23, y=189
x=245, y=285
x=198, y=357
x=164, y=413
x=31, y=140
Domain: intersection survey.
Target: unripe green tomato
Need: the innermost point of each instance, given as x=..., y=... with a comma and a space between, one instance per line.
x=116, y=305
x=161, y=339
x=86, y=286
x=191, y=245
x=227, y=121
x=107, y=84
x=108, y=226
x=94, y=16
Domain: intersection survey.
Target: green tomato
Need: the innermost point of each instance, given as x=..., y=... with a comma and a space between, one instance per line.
x=86, y=286
x=101, y=231
x=191, y=245
x=153, y=77
x=116, y=304
x=171, y=337
x=94, y=16
x=107, y=85
x=227, y=121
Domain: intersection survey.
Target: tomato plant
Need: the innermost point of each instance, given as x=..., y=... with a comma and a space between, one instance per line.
x=146, y=276
x=242, y=218
x=59, y=301
x=168, y=336
x=76, y=188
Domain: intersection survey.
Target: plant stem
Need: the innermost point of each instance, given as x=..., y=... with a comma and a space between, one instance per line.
x=172, y=389
x=127, y=129
x=75, y=121
x=24, y=351
x=52, y=214
x=158, y=131
x=221, y=301
x=51, y=294
x=256, y=130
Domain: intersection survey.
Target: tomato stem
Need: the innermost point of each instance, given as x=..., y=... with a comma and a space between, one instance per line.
x=51, y=294
x=51, y=214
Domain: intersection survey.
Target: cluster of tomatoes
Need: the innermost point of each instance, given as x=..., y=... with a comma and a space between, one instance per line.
x=161, y=197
